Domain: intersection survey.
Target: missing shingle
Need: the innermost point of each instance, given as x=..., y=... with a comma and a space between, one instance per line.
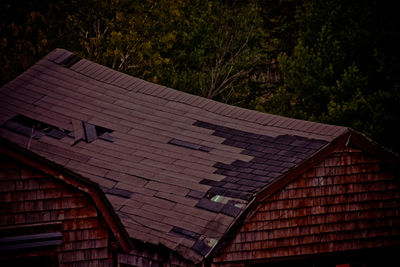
x=70, y=61
x=189, y=145
x=33, y=128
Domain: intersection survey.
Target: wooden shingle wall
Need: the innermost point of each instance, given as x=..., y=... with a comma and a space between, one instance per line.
x=350, y=201
x=28, y=198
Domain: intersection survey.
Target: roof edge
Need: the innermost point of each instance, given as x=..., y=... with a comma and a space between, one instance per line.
x=73, y=179
x=341, y=140
x=365, y=143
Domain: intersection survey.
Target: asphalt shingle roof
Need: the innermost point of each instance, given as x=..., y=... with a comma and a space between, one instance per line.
x=177, y=168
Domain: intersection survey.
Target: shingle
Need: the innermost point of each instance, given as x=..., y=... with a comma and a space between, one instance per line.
x=231, y=186
x=176, y=198
x=62, y=56
x=230, y=173
x=195, y=194
x=209, y=205
x=78, y=131
x=56, y=133
x=261, y=172
x=231, y=179
x=211, y=182
x=184, y=224
x=185, y=233
x=220, y=165
x=120, y=192
x=168, y=188
x=240, y=163
x=205, y=148
x=185, y=144
x=107, y=137
x=231, y=210
x=263, y=178
x=201, y=248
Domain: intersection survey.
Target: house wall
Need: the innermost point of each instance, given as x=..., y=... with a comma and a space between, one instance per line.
x=31, y=202
x=350, y=201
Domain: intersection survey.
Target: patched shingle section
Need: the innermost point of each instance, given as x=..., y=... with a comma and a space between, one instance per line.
x=273, y=156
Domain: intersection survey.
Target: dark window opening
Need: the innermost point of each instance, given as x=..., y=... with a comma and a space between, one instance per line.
x=30, y=245
x=12, y=243
x=44, y=261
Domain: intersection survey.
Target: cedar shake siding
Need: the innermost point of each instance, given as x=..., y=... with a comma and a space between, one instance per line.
x=350, y=201
x=32, y=203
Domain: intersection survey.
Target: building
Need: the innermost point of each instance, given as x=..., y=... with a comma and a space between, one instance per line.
x=99, y=168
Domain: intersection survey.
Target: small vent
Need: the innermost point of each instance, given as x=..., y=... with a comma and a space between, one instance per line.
x=70, y=61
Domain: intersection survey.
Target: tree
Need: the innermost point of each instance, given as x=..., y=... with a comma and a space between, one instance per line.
x=23, y=37
x=343, y=69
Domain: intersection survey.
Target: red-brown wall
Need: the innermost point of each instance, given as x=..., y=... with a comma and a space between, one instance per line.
x=348, y=202
x=31, y=200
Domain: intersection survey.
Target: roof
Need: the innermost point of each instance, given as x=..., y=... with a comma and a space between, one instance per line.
x=178, y=169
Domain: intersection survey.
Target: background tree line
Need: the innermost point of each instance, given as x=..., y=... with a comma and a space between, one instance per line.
x=334, y=61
